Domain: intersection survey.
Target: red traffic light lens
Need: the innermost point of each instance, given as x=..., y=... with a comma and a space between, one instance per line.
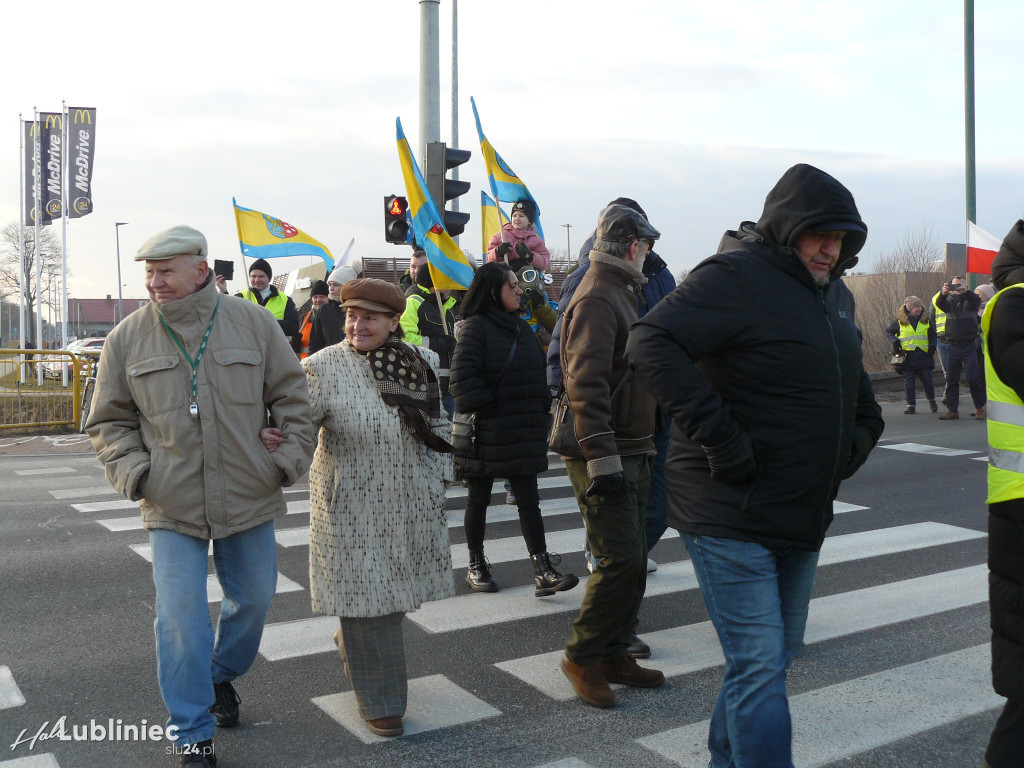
x=397, y=207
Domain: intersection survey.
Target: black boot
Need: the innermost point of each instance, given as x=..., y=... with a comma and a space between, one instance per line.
x=479, y=577
x=547, y=579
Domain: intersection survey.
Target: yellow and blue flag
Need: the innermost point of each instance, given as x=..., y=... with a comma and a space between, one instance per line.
x=449, y=267
x=489, y=221
x=505, y=185
x=264, y=237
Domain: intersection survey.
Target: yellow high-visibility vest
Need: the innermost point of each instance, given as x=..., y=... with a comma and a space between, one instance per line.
x=914, y=338
x=276, y=304
x=938, y=315
x=1005, y=412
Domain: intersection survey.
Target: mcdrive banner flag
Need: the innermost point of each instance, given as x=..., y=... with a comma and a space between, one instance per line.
x=31, y=174
x=449, y=267
x=489, y=226
x=81, y=151
x=505, y=185
x=264, y=237
x=981, y=249
x=51, y=159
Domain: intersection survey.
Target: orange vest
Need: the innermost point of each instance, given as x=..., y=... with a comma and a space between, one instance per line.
x=304, y=330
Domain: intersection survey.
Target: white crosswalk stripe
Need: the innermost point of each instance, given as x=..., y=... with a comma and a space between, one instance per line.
x=45, y=471
x=10, y=694
x=31, y=761
x=434, y=702
x=681, y=650
x=845, y=719
x=930, y=450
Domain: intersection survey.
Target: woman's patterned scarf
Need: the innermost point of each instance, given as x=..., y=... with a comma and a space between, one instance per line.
x=408, y=383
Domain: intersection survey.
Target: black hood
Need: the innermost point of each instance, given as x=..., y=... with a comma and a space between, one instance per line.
x=1008, y=265
x=808, y=198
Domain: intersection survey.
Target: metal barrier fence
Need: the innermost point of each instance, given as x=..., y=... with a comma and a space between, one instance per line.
x=43, y=388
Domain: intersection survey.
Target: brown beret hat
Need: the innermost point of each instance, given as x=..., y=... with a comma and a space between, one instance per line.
x=176, y=241
x=373, y=294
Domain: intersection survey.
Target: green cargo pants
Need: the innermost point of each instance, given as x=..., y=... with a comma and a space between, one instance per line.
x=618, y=540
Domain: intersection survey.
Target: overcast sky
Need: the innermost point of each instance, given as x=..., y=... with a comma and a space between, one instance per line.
x=692, y=108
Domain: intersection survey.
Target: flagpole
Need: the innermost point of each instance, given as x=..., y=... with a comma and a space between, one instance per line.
x=39, y=226
x=64, y=232
x=21, y=241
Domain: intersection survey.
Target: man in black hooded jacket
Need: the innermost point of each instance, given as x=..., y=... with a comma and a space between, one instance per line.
x=1003, y=323
x=768, y=419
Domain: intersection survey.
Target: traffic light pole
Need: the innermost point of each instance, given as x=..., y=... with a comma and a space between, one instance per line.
x=430, y=78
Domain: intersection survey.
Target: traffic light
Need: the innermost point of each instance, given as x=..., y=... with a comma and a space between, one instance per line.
x=440, y=160
x=396, y=225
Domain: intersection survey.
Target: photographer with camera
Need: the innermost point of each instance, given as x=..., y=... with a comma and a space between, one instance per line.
x=961, y=308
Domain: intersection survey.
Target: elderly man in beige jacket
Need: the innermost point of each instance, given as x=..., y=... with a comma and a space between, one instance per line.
x=202, y=414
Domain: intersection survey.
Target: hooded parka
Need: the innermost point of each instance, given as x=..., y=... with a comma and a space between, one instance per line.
x=749, y=341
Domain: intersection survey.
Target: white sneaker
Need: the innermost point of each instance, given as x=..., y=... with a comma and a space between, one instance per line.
x=651, y=566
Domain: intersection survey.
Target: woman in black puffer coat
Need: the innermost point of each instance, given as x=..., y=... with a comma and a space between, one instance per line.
x=498, y=373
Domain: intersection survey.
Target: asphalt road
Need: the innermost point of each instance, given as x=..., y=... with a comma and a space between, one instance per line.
x=895, y=671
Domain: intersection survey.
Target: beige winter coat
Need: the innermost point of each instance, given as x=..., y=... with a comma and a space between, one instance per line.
x=212, y=477
x=378, y=538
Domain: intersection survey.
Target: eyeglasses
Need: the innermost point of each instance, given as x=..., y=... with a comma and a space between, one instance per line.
x=648, y=240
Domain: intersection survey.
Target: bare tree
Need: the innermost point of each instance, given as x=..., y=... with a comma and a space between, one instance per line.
x=682, y=275
x=911, y=269
x=51, y=260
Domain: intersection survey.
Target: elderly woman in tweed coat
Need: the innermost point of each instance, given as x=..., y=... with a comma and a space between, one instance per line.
x=378, y=536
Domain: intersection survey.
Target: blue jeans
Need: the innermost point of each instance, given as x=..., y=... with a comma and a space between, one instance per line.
x=964, y=357
x=943, y=348
x=655, y=520
x=189, y=658
x=757, y=599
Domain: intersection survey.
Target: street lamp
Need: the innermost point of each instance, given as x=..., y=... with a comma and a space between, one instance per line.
x=568, y=246
x=120, y=300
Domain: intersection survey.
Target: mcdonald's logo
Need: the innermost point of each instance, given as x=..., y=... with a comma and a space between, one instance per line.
x=33, y=129
x=82, y=116
x=54, y=121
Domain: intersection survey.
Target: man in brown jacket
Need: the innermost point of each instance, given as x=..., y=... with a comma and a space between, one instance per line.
x=180, y=421
x=614, y=418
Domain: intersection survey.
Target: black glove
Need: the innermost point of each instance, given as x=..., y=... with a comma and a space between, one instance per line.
x=606, y=485
x=503, y=250
x=733, y=460
x=896, y=348
x=523, y=252
x=863, y=442
x=537, y=297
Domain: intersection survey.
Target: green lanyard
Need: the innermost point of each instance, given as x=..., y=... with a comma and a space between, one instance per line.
x=193, y=403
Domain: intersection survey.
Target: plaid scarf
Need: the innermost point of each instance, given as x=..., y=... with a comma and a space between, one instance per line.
x=408, y=383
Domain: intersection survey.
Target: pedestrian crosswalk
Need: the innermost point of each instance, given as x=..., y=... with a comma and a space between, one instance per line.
x=872, y=579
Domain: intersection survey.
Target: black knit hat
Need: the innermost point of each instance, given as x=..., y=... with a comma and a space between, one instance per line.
x=262, y=266
x=319, y=288
x=527, y=207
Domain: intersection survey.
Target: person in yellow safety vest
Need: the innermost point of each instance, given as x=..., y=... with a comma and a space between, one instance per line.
x=317, y=297
x=1003, y=325
x=912, y=334
x=263, y=293
x=939, y=319
x=422, y=325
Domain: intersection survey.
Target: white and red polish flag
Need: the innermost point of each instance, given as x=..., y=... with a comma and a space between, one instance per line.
x=981, y=249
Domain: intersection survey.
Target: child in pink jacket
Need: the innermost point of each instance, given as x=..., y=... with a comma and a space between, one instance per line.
x=522, y=245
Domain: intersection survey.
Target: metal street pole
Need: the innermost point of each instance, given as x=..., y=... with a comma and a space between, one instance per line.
x=120, y=300
x=430, y=78
x=969, y=158
x=568, y=245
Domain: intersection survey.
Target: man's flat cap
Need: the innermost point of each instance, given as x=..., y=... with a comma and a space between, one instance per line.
x=177, y=241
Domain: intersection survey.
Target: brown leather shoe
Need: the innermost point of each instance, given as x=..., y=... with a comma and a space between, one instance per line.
x=949, y=416
x=627, y=672
x=980, y=414
x=589, y=683
x=386, y=726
